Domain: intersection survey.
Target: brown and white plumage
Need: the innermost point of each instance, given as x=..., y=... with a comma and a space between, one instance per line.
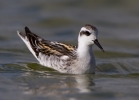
x=63, y=57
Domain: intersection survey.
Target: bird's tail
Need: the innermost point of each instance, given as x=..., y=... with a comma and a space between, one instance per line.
x=31, y=40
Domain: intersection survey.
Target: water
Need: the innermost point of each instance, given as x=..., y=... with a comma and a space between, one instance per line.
x=117, y=73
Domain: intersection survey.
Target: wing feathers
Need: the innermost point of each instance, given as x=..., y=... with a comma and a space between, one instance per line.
x=48, y=48
x=27, y=30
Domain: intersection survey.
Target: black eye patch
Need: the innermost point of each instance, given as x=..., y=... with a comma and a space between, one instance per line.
x=85, y=33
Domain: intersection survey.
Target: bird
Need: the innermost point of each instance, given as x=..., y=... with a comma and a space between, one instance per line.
x=65, y=58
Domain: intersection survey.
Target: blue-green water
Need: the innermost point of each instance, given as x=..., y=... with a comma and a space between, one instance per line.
x=117, y=73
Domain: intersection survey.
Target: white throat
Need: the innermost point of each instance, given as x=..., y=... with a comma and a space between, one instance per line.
x=86, y=58
x=84, y=50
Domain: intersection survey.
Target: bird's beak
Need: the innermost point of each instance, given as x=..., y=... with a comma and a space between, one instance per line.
x=97, y=43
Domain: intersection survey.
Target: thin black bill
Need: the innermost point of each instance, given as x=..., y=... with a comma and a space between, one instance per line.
x=97, y=43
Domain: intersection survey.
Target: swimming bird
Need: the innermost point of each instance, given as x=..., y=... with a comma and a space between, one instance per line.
x=62, y=57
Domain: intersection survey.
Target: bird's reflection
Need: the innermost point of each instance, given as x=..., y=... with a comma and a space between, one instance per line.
x=57, y=85
x=84, y=83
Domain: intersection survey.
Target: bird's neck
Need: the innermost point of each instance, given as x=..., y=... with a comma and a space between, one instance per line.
x=86, y=59
x=84, y=51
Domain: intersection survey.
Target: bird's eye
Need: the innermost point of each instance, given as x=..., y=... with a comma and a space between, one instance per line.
x=87, y=33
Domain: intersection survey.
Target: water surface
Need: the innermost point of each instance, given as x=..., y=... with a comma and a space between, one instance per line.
x=117, y=73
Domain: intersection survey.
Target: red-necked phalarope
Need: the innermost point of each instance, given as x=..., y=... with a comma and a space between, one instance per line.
x=62, y=57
